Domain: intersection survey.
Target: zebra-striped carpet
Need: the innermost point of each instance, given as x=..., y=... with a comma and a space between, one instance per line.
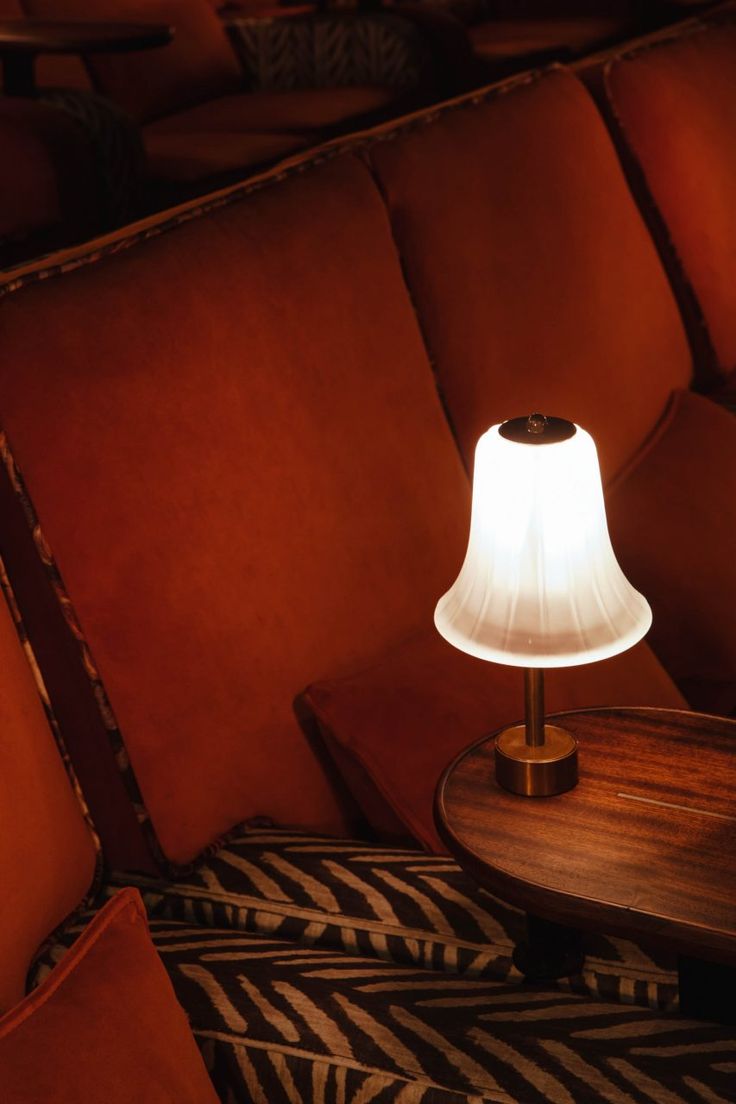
x=281, y=1023
x=404, y=907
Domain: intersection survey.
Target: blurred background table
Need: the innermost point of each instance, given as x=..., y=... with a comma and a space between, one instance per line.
x=21, y=41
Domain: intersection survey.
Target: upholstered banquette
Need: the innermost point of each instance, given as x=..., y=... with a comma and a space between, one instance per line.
x=219, y=101
x=236, y=446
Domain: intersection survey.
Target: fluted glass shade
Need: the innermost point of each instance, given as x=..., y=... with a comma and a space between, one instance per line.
x=540, y=585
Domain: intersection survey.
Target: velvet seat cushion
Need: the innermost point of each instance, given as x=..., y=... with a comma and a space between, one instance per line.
x=251, y=128
x=397, y=905
x=671, y=525
x=198, y=63
x=187, y=156
x=535, y=280
x=305, y=109
x=675, y=110
x=279, y=1021
x=104, y=1025
x=260, y=431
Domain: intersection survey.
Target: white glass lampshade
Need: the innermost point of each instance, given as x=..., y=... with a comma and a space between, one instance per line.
x=540, y=585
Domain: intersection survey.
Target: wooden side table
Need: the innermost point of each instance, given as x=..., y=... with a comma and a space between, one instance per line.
x=21, y=41
x=644, y=846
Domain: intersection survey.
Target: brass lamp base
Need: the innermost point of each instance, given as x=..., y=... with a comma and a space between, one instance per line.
x=536, y=771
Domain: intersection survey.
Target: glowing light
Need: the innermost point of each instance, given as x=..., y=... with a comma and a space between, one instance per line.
x=540, y=585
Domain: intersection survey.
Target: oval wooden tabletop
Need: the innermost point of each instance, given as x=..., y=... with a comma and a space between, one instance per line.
x=50, y=37
x=645, y=845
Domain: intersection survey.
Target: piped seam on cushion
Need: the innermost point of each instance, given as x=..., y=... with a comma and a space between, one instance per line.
x=128, y=899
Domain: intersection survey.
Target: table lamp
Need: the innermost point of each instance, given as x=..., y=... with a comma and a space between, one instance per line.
x=540, y=585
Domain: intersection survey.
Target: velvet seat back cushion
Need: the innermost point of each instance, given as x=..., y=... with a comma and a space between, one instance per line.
x=105, y=1025
x=676, y=109
x=249, y=488
x=47, y=854
x=197, y=65
x=535, y=280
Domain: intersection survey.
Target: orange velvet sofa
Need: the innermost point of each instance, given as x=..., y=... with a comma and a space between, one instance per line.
x=236, y=444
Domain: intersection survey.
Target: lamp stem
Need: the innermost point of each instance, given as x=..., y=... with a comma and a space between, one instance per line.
x=534, y=702
x=535, y=759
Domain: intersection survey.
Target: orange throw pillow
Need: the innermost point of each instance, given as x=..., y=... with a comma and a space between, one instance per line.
x=105, y=1026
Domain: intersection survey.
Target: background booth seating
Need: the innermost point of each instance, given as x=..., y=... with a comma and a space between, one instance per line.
x=209, y=115
x=235, y=478
x=48, y=192
x=86, y=172
x=222, y=100
x=506, y=37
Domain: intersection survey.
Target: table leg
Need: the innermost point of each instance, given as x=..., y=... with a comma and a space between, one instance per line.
x=18, y=74
x=707, y=990
x=550, y=951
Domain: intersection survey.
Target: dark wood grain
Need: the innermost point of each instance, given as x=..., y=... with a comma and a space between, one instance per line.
x=605, y=855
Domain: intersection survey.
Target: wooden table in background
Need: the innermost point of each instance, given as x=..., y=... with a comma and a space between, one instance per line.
x=21, y=41
x=643, y=847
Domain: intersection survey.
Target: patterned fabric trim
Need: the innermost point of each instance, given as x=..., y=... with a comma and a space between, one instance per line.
x=56, y=583
x=403, y=907
x=94, y=890
x=331, y=51
x=278, y=1022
